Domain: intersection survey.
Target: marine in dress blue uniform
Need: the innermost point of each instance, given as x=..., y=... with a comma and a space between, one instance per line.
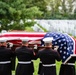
x=25, y=57
x=47, y=57
x=68, y=68
x=13, y=60
x=5, y=58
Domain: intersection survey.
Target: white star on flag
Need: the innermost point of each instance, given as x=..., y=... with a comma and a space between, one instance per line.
x=65, y=42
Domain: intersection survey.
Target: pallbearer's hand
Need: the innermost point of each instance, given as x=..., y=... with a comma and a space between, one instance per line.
x=56, y=48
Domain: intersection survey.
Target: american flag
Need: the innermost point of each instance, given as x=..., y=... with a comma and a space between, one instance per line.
x=65, y=42
x=15, y=37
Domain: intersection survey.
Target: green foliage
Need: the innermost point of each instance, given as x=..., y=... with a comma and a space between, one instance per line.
x=3, y=9
x=75, y=36
x=17, y=26
x=33, y=12
x=29, y=23
x=16, y=10
x=29, y=29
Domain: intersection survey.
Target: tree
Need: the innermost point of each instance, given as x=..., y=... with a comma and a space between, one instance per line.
x=41, y=4
x=61, y=9
x=14, y=11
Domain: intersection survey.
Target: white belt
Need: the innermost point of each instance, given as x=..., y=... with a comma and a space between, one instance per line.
x=24, y=62
x=70, y=63
x=48, y=65
x=5, y=62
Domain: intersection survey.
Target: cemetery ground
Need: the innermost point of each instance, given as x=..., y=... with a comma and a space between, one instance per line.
x=36, y=65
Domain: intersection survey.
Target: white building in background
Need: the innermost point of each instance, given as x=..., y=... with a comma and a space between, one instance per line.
x=66, y=26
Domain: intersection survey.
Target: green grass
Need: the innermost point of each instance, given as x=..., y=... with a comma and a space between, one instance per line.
x=58, y=64
x=36, y=65
x=43, y=28
x=29, y=29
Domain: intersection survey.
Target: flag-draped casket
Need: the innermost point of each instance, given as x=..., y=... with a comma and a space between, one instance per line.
x=15, y=39
x=66, y=43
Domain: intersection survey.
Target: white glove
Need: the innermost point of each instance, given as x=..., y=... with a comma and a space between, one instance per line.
x=56, y=48
x=35, y=46
x=10, y=44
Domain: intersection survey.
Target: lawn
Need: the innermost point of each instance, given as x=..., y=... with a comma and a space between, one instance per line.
x=36, y=63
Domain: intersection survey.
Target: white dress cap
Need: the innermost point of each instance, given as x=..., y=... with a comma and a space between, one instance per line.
x=48, y=39
x=25, y=39
x=3, y=39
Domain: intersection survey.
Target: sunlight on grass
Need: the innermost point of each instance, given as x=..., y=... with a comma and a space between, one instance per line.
x=36, y=65
x=58, y=64
x=29, y=29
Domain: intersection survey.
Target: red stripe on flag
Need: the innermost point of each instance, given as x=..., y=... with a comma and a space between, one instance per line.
x=16, y=36
x=74, y=40
x=26, y=34
x=22, y=35
x=75, y=46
